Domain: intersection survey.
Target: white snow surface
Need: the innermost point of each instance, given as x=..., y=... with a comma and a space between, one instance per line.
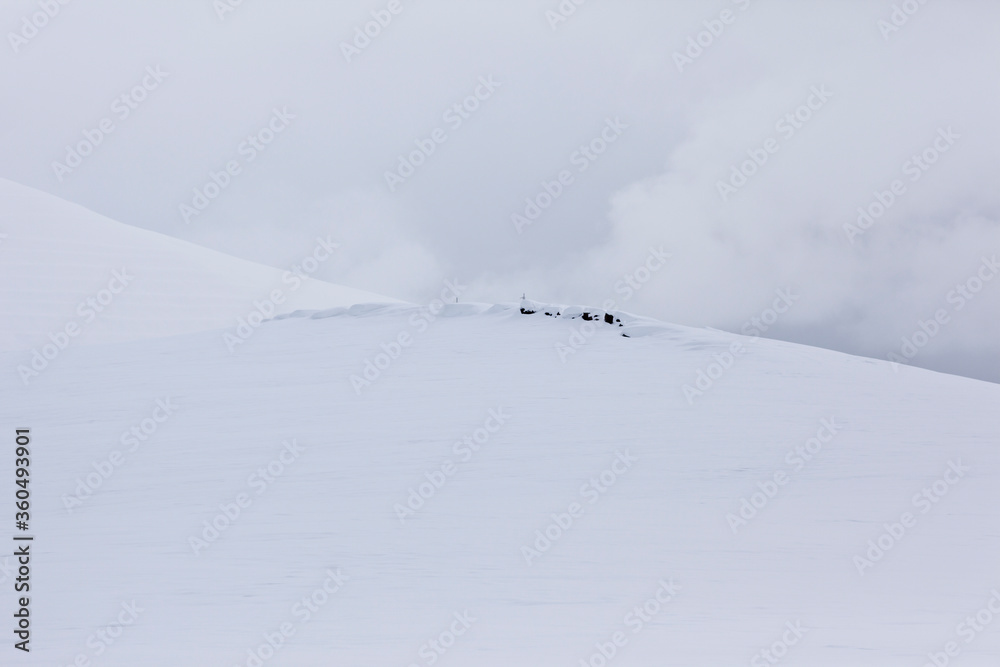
x=568, y=416
x=633, y=444
x=55, y=254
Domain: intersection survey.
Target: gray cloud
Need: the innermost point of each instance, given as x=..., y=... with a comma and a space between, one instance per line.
x=656, y=185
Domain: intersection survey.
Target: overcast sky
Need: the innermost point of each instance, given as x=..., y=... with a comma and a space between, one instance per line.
x=739, y=137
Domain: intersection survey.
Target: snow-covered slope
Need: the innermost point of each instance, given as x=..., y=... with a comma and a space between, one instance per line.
x=383, y=485
x=63, y=265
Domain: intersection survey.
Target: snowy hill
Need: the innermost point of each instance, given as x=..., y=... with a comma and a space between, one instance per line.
x=387, y=485
x=62, y=265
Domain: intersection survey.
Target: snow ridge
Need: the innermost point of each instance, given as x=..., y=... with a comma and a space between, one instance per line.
x=631, y=325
